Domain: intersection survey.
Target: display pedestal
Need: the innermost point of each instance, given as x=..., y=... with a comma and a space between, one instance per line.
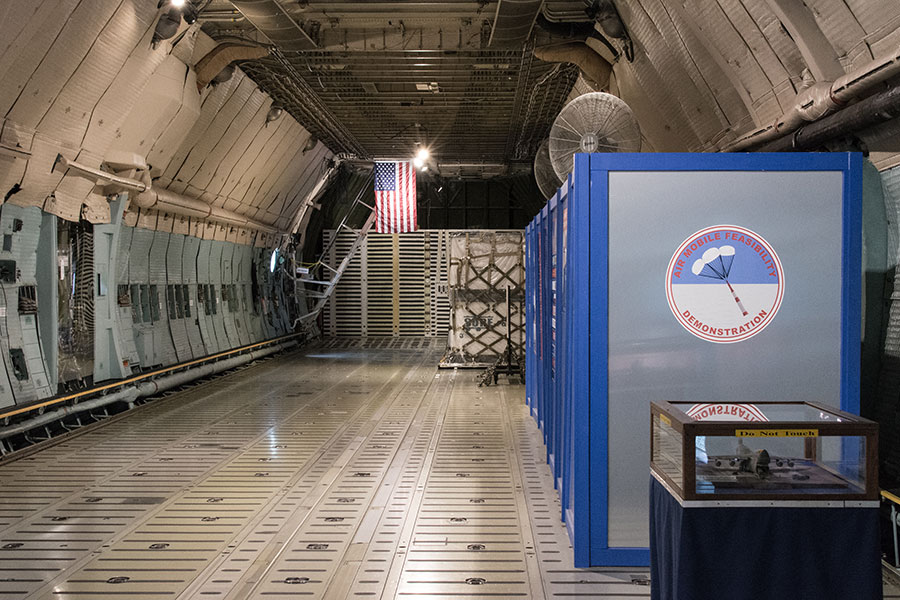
x=762, y=553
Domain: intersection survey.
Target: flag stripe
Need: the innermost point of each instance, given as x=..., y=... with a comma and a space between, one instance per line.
x=395, y=197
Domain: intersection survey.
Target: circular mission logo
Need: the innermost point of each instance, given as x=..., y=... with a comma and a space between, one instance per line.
x=724, y=284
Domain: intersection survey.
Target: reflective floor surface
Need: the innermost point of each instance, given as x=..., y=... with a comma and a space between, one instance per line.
x=348, y=470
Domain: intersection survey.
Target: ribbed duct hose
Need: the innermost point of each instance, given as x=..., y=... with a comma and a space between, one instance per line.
x=592, y=65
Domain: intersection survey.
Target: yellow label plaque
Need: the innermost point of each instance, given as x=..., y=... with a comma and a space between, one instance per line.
x=665, y=420
x=763, y=433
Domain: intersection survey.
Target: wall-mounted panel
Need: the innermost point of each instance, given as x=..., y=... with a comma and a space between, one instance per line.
x=162, y=333
x=192, y=308
x=175, y=298
x=206, y=304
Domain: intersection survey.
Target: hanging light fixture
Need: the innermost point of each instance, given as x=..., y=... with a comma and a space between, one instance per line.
x=274, y=114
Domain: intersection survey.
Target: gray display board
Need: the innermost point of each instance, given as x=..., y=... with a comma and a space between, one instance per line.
x=652, y=356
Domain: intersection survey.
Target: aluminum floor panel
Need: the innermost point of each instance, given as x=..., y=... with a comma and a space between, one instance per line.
x=355, y=469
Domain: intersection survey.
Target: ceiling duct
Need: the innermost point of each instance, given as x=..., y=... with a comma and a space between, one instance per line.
x=595, y=122
x=592, y=65
x=513, y=22
x=609, y=19
x=223, y=55
x=544, y=175
x=273, y=21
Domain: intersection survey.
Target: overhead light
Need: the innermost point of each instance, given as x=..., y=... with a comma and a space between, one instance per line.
x=423, y=154
x=418, y=162
x=274, y=114
x=425, y=168
x=273, y=261
x=167, y=25
x=177, y=3
x=225, y=74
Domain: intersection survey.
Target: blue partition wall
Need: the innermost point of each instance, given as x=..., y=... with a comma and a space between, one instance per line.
x=603, y=342
x=529, y=316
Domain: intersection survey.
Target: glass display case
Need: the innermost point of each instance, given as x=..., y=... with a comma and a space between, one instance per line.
x=763, y=451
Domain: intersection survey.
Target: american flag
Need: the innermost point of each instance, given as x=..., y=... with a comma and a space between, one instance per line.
x=395, y=197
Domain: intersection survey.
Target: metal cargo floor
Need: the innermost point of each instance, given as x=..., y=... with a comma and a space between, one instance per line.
x=352, y=470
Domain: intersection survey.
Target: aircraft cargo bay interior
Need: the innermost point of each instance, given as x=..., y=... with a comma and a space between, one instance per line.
x=449, y=299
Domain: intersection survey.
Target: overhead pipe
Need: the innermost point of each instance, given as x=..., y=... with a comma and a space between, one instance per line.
x=822, y=99
x=876, y=109
x=178, y=204
x=148, y=197
x=146, y=388
x=225, y=16
x=594, y=66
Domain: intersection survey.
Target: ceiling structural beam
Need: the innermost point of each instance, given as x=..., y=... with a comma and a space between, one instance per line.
x=299, y=221
x=516, y=122
x=273, y=21
x=816, y=50
x=472, y=83
x=411, y=9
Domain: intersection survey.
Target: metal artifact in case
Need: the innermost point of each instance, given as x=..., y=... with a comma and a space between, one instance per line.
x=763, y=451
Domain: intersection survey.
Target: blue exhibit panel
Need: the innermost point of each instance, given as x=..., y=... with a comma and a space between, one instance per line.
x=545, y=366
x=577, y=508
x=530, y=281
x=550, y=413
x=538, y=375
x=537, y=408
x=559, y=393
x=603, y=334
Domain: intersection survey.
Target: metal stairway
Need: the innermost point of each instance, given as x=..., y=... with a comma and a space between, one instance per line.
x=311, y=281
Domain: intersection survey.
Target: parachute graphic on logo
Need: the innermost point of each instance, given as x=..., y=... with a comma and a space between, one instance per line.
x=716, y=264
x=724, y=284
